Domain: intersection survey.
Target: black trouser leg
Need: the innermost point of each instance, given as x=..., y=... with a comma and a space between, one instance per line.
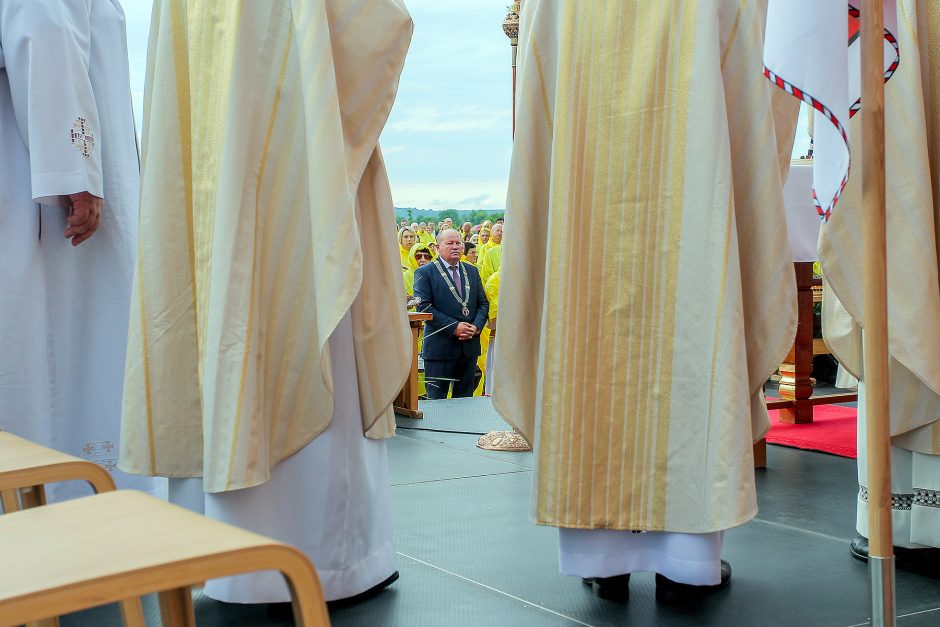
x=465, y=370
x=437, y=373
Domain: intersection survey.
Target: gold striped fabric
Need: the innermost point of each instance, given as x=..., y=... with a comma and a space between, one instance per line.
x=261, y=164
x=912, y=161
x=637, y=366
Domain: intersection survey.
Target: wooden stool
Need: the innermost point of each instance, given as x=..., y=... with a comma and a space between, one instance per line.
x=92, y=551
x=25, y=464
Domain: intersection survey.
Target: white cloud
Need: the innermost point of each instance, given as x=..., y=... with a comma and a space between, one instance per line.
x=428, y=119
x=462, y=195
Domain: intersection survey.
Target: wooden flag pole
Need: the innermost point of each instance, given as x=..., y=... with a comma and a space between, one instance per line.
x=880, y=549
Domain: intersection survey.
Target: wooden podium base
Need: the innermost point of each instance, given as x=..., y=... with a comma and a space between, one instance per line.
x=407, y=402
x=796, y=400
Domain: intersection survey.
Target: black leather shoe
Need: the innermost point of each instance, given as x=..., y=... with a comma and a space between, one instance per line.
x=921, y=561
x=362, y=596
x=616, y=588
x=670, y=591
x=859, y=548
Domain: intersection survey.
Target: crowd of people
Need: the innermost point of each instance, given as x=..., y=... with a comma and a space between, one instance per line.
x=418, y=245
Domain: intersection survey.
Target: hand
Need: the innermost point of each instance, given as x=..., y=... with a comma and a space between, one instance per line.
x=465, y=331
x=84, y=216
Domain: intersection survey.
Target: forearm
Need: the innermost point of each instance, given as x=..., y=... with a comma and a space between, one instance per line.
x=46, y=48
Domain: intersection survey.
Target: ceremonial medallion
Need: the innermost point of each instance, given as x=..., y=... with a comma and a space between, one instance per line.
x=453, y=290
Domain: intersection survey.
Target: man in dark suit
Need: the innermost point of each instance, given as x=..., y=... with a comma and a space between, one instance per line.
x=453, y=293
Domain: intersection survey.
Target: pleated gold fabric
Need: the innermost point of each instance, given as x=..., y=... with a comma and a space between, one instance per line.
x=260, y=154
x=637, y=366
x=912, y=161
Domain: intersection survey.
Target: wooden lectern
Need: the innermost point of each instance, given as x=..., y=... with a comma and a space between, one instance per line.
x=407, y=401
x=797, y=400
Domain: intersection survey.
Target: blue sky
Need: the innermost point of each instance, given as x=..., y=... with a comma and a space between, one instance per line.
x=448, y=140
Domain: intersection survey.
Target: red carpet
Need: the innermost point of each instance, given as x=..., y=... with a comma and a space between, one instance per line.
x=832, y=431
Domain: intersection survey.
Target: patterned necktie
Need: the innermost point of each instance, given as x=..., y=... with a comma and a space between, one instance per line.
x=456, y=275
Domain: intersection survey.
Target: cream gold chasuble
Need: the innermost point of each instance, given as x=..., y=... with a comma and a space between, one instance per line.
x=263, y=214
x=912, y=161
x=637, y=367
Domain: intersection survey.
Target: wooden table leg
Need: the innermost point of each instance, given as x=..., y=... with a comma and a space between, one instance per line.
x=176, y=608
x=795, y=383
x=760, y=454
x=10, y=501
x=133, y=613
x=34, y=496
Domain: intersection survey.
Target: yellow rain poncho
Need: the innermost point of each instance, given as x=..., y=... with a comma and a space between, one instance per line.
x=491, y=288
x=403, y=250
x=490, y=262
x=412, y=264
x=425, y=237
x=482, y=247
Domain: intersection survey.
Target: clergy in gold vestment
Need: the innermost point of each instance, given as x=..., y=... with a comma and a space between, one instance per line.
x=636, y=368
x=912, y=162
x=260, y=352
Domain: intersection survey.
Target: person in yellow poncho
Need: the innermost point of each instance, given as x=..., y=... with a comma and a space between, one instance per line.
x=422, y=234
x=484, y=239
x=490, y=262
x=470, y=253
x=491, y=289
x=406, y=239
x=419, y=255
x=466, y=230
x=495, y=239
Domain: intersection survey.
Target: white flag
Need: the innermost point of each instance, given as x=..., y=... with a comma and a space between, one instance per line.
x=811, y=50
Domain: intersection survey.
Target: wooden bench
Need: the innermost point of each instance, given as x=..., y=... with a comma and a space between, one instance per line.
x=101, y=549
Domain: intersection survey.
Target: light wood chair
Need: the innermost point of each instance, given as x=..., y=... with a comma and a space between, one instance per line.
x=25, y=468
x=25, y=464
x=92, y=551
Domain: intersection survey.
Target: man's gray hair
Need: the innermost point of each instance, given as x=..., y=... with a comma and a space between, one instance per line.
x=443, y=233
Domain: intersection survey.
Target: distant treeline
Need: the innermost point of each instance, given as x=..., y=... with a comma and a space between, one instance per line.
x=459, y=217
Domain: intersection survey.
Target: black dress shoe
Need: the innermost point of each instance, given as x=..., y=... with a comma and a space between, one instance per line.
x=362, y=596
x=670, y=591
x=859, y=548
x=616, y=588
x=924, y=561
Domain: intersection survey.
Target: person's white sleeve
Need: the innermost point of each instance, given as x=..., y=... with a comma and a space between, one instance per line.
x=45, y=48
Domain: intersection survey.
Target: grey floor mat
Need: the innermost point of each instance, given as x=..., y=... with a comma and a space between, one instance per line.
x=469, y=555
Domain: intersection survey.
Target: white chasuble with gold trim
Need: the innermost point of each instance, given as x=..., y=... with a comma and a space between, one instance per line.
x=637, y=367
x=264, y=201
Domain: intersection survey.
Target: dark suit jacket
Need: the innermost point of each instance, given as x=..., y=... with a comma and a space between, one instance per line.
x=437, y=299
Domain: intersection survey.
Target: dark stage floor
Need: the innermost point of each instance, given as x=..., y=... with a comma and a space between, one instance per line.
x=469, y=556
